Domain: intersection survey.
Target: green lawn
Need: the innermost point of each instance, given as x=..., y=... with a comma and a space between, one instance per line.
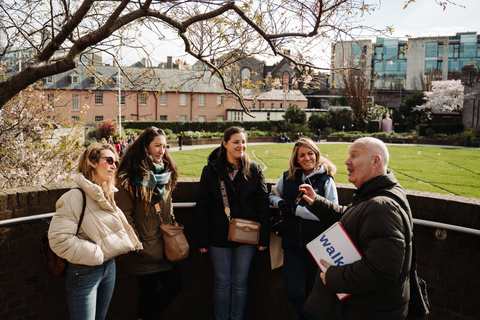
x=433, y=169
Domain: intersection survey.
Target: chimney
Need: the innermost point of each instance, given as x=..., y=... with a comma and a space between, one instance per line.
x=169, y=62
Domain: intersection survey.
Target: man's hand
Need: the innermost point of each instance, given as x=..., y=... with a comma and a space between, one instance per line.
x=309, y=193
x=322, y=274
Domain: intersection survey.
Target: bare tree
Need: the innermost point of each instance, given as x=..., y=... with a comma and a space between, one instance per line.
x=57, y=32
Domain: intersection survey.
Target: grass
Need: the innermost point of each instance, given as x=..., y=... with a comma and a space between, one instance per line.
x=424, y=168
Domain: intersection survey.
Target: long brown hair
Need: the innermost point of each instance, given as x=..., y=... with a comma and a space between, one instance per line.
x=87, y=166
x=222, y=153
x=138, y=161
x=329, y=167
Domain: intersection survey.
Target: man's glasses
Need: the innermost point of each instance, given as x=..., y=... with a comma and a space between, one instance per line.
x=111, y=160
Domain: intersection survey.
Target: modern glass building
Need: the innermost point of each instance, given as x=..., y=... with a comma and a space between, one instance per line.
x=412, y=64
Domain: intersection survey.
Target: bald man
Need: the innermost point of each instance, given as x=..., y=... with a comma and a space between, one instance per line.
x=379, y=282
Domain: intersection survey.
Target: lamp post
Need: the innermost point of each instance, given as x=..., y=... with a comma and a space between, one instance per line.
x=119, y=101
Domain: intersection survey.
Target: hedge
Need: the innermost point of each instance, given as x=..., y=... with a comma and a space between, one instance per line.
x=449, y=129
x=207, y=126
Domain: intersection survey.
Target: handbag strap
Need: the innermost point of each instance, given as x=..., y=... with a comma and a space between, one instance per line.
x=83, y=209
x=223, y=189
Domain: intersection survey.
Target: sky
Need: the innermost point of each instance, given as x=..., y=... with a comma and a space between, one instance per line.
x=422, y=18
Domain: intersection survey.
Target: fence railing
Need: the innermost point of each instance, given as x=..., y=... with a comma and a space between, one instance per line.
x=433, y=224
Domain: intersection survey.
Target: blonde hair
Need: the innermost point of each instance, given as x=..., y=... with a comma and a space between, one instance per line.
x=329, y=167
x=87, y=166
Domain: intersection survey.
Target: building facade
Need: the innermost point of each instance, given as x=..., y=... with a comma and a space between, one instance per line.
x=408, y=65
x=143, y=94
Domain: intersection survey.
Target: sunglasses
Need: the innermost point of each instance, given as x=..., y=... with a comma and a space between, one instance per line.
x=111, y=160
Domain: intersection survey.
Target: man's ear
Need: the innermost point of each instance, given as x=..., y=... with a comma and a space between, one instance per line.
x=377, y=160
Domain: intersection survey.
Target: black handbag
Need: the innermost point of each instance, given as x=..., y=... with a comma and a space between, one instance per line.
x=55, y=265
x=279, y=224
x=418, y=305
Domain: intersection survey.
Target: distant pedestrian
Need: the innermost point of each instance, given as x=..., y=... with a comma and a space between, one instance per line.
x=319, y=135
x=180, y=140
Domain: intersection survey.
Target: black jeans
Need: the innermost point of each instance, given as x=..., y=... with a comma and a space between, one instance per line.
x=151, y=301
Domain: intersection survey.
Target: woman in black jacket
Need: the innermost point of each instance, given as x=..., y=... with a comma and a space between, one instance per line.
x=247, y=194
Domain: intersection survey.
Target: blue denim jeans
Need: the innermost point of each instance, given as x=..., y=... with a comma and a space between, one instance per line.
x=230, y=270
x=90, y=289
x=294, y=263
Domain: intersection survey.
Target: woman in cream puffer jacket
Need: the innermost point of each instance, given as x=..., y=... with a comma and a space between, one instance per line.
x=104, y=234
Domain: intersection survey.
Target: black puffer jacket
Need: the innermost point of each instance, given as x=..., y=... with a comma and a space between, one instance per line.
x=248, y=199
x=379, y=282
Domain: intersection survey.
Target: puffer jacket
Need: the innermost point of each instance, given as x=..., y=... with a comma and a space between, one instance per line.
x=378, y=282
x=104, y=232
x=147, y=228
x=248, y=199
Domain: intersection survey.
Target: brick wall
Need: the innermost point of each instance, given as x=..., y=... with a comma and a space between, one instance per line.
x=27, y=292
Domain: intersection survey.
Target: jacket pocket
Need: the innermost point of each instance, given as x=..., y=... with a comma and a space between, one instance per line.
x=152, y=250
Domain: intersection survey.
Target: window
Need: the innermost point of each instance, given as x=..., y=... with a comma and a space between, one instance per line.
x=75, y=102
x=286, y=81
x=263, y=105
x=219, y=100
x=431, y=49
x=51, y=99
x=268, y=116
x=245, y=74
x=219, y=118
x=74, y=78
x=98, y=118
x=454, y=50
x=123, y=118
x=183, y=99
x=273, y=105
x=163, y=99
x=75, y=118
x=142, y=99
x=183, y=118
x=98, y=97
x=402, y=52
x=253, y=106
x=163, y=118
x=281, y=105
x=201, y=100
x=201, y=118
x=50, y=79
x=122, y=98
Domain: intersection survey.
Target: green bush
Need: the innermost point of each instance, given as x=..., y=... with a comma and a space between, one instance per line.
x=208, y=126
x=94, y=133
x=448, y=129
x=374, y=126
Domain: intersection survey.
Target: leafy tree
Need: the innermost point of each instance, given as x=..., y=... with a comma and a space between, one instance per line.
x=319, y=121
x=295, y=114
x=58, y=32
x=32, y=149
x=446, y=96
x=108, y=128
x=411, y=116
x=342, y=119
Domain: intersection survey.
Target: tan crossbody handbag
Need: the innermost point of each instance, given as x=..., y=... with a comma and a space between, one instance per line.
x=239, y=230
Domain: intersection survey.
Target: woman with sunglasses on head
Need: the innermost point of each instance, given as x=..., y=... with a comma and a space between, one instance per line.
x=246, y=190
x=306, y=165
x=147, y=177
x=104, y=233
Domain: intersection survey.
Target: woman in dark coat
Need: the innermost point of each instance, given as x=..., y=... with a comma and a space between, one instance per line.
x=147, y=177
x=247, y=194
